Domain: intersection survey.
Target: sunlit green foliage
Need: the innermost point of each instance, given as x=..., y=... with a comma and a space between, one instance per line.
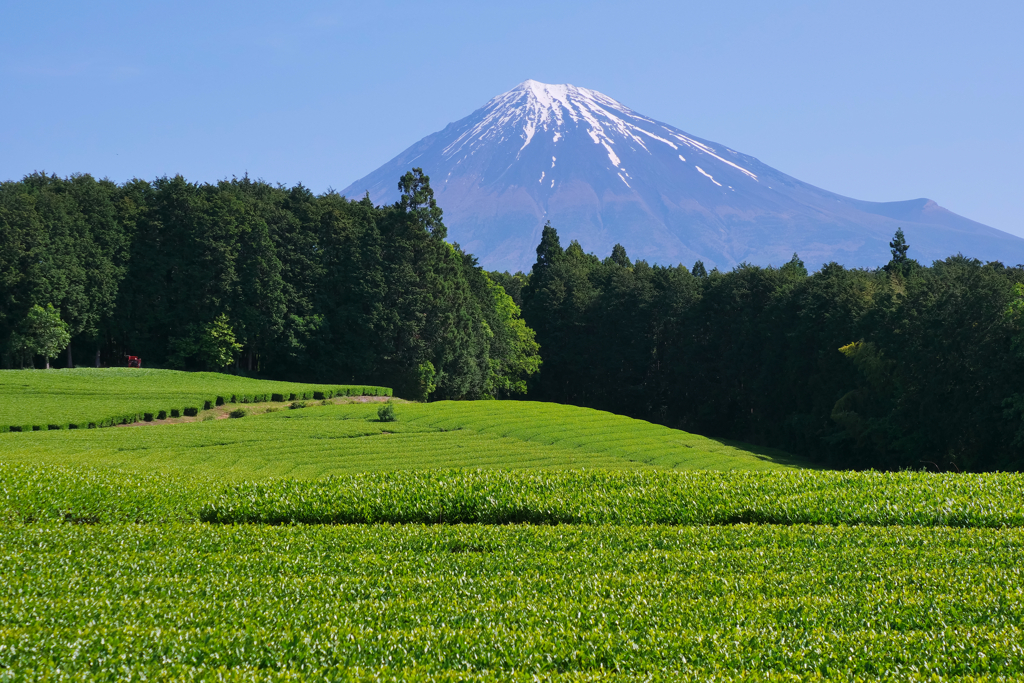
x=42, y=333
x=34, y=493
x=640, y=498
x=316, y=441
x=485, y=603
x=109, y=572
x=87, y=495
x=109, y=575
x=211, y=346
x=84, y=397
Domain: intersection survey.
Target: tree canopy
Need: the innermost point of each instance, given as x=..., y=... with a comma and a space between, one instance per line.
x=258, y=278
x=901, y=367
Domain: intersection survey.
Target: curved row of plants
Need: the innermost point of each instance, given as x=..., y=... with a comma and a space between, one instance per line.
x=86, y=398
x=31, y=493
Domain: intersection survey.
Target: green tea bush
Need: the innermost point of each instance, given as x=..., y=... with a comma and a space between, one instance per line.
x=639, y=497
x=51, y=493
x=238, y=412
x=484, y=603
x=386, y=413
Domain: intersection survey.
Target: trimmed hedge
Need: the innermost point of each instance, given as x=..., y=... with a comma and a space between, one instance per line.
x=318, y=393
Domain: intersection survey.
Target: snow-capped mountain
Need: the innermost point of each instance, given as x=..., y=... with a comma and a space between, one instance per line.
x=602, y=173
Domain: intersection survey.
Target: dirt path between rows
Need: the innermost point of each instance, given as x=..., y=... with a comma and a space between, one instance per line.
x=224, y=412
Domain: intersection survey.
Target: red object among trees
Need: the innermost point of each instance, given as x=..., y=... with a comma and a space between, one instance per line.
x=134, y=362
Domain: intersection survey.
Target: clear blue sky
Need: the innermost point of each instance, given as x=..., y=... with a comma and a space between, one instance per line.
x=877, y=100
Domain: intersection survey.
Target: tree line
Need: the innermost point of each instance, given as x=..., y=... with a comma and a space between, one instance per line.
x=905, y=366
x=250, y=277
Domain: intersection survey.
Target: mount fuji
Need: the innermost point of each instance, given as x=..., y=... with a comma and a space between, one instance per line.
x=603, y=173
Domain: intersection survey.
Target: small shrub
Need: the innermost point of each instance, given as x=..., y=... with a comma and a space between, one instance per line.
x=271, y=410
x=386, y=413
x=297, y=404
x=238, y=412
x=326, y=402
x=209, y=417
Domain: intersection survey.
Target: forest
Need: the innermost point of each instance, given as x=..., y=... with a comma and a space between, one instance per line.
x=247, y=277
x=901, y=367
x=906, y=366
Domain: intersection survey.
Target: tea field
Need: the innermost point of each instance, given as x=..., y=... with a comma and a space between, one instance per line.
x=86, y=397
x=55, y=493
x=335, y=439
x=521, y=603
x=491, y=541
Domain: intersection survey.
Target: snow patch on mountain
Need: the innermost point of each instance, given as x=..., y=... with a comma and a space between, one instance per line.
x=533, y=106
x=709, y=176
x=666, y=195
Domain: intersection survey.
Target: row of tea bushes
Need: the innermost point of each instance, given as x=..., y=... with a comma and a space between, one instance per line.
x=57, y=493
x=513, y=603
x=87, y=399
x=40, y=494
x=629, y=497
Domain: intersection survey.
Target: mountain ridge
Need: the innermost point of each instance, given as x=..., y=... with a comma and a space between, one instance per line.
x=605, y=174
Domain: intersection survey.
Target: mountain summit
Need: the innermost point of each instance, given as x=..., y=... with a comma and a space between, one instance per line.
x=602, y=173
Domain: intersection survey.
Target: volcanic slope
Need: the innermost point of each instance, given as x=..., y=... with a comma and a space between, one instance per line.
x=603, y=173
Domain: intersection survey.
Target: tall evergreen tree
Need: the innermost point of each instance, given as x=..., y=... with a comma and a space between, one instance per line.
x=899, y=264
